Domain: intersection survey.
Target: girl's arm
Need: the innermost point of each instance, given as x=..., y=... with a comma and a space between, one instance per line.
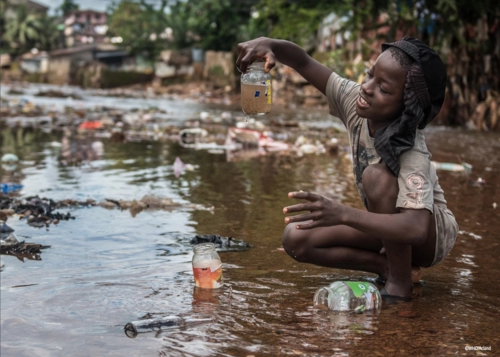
x=286, y=52
x=410, y=226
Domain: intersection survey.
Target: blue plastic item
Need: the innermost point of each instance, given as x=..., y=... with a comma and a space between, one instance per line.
x=10, y=187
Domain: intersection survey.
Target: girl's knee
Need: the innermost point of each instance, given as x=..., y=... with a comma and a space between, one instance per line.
x=294, y=242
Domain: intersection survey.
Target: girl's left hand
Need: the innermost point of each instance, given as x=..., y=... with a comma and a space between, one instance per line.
x=323, y=212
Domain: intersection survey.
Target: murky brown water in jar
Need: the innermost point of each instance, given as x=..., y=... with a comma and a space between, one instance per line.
x=106, y=268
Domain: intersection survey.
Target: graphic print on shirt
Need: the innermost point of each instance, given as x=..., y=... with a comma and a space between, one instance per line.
x=415, y=182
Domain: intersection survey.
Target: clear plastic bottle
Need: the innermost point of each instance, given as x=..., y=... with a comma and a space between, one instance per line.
x=207, y=266
x=7, y=234
x=132, y=329
x=357, y=296
x=256, y=91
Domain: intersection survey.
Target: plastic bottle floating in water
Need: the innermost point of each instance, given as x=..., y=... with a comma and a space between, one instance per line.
x=132, y=329
x=256, y=92
x=207, y=266
x=357, y=296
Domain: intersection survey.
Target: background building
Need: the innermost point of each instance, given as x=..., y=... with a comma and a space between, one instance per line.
x=84, y=27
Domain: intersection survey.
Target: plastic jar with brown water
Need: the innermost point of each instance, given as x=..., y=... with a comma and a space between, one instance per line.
x=256, y=98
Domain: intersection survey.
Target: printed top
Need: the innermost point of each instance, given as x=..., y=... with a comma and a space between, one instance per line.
x=418, y=183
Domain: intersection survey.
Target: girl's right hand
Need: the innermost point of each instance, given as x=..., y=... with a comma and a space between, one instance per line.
x=260, y=48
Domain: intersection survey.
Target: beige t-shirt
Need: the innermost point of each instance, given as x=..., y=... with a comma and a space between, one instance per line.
x=418, y=183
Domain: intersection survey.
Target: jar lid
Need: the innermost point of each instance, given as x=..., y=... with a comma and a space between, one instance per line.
x=258, y=64
x=204, y=247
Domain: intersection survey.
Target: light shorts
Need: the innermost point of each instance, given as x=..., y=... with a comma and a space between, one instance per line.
x=446, y=233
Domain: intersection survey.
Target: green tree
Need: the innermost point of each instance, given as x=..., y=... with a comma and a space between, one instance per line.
x=140, y=25
x=67, y=7
x=294, y=20
x=210, y=25
x=3, y=42
x=50, y=36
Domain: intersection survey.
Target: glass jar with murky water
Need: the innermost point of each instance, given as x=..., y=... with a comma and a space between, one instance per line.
x=256, y=91
x=207, y=266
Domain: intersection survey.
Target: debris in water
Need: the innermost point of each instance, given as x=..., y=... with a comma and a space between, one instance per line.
x=10, y=187
x=9, y=158
x=9, y=245
x=446, y=166
x=132, y=329
x=180, y=167
x=223, y=242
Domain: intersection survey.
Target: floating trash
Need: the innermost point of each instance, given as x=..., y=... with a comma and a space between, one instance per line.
x=9, y=158
x=132, y=329
x=446, y=166
x=356, y=296
x=9, y=245
x=180, y=167
x=10, y=187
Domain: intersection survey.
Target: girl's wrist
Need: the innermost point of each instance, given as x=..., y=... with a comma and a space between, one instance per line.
x=345, y=214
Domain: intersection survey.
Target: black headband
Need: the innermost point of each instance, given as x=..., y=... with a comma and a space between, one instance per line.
x=434, y=72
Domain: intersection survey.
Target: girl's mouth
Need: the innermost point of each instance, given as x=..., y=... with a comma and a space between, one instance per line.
x=362, y=103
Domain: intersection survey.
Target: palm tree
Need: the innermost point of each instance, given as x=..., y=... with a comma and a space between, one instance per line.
x=23, y=30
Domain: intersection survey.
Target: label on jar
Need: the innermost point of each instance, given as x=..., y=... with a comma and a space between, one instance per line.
x=208, y=276
x=359, y=288
x=256, y=98
x=268, y=91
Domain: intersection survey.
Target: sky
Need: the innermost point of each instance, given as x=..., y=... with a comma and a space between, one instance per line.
x=98, y=5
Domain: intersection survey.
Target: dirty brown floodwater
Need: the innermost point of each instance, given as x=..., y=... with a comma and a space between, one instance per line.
x=106, y=267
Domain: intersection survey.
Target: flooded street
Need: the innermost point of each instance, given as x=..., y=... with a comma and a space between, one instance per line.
x=108, y=267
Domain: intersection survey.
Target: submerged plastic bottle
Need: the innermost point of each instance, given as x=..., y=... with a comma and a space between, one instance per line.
x=207, y=266
x=132, y=329
x=256, y=93
x=357, y=296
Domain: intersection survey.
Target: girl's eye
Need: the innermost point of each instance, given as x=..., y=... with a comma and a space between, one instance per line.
x=383, y=91
x=367, y=72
